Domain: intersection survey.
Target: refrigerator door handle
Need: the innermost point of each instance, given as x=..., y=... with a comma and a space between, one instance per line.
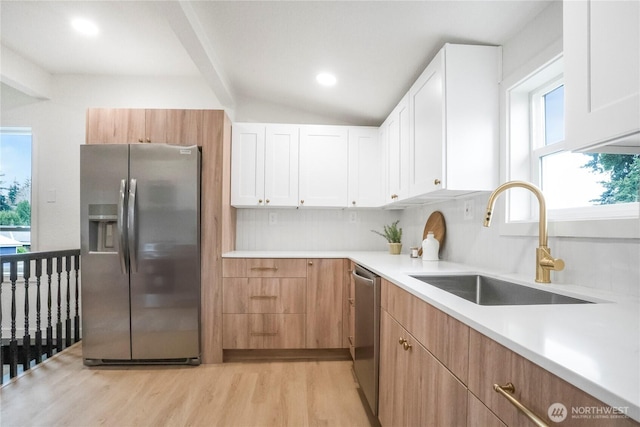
x=122, y=231
x=132, y=232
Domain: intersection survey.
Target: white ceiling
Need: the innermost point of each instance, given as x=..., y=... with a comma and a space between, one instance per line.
x=261, y=57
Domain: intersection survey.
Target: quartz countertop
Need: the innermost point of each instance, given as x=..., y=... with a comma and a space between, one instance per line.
x=595, y=347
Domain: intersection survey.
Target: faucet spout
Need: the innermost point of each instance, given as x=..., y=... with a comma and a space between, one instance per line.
x=544, y=261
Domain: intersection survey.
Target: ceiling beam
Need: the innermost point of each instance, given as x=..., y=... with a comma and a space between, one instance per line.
x=23, y=75
x=190, y=31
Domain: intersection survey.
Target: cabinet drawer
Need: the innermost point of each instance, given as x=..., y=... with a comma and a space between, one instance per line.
x=445, y=337
x=256, y=295
x=264, y=267
x=536, y=388
x=263, y=331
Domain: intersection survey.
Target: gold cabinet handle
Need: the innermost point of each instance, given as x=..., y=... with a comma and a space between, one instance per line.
x=402, y=341
x=506, y=390
x=140, y=140
x=259, y=201
x=406, y=346
x=436, y=181
x=148, y=140
x=264, y=268
x=310, y=263
x=302, y=202
x=394, y=196
x=267, y=201
x=263, y=296
x=351, y=301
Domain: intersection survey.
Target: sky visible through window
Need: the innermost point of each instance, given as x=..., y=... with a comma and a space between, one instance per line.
x=15, y=157
x=565, y=182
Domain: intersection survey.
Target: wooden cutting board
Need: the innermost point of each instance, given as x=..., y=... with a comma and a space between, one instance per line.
x=435, y=223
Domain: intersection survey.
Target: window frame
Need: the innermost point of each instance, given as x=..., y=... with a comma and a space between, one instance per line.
x=521, y=160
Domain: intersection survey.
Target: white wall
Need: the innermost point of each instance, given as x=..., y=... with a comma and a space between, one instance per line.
x=59, y=129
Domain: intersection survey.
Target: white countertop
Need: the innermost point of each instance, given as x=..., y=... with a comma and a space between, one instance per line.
x=595, y=347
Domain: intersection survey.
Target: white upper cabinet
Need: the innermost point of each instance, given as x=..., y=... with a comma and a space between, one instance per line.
x=396, y=131
x=453, y=115
x=602, y=73
x=247, y=164
x=281, y=165
x=264, y=165
x=323, y=166
x=365, y=168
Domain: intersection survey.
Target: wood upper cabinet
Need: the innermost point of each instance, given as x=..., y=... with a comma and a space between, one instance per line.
x=115, y=126
x=602, y=74
x=453, y=115
x=176, y=127
x=365, y=167
x=264, y=165
x=323, y=166
x=536, y=388
x=129, y=126
x=415, y=389
x=324, y=303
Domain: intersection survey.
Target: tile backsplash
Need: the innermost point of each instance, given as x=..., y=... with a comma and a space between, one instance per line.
x=607, y=264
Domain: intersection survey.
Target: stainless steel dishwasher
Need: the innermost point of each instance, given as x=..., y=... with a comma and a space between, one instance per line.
x=367, y=333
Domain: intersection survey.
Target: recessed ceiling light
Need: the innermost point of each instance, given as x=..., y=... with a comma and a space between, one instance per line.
x=326, y=79
x=84, y=26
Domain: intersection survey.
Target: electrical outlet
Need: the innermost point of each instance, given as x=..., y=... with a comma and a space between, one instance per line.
x=273, y=218
x=353, y=216
x=469, y=210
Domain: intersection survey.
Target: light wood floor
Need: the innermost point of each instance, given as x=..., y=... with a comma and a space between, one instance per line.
x=64, y=392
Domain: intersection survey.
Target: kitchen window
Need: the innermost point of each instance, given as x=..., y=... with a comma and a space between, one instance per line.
x=587, y=194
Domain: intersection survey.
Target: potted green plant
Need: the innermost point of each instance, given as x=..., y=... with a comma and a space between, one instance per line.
x=393, y=234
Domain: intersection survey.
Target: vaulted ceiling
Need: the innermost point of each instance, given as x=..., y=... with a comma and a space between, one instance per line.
x=261, y=57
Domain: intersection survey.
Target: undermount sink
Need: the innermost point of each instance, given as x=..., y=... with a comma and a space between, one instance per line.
x=485, y=290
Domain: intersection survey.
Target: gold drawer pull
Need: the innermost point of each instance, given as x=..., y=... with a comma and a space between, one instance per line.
x=508, y=388
x=264, y=334
x=352, y=301
x=264, y=268
x=263, y=296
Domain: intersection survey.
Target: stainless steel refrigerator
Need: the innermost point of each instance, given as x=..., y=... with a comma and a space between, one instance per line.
x=140, y=247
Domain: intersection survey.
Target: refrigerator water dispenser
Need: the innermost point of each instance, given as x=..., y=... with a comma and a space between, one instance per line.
x=103, y=228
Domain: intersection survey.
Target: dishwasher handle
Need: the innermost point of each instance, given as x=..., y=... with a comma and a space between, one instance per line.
x=359, y=277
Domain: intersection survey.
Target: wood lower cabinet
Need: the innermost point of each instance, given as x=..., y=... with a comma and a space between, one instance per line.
x=263, y=303
x=349, y=312
x=479, y=415
x=447, y=375
x=445, y=337
x=415, y=389
x=324, y=303
x=536, y=388
x=279, y=303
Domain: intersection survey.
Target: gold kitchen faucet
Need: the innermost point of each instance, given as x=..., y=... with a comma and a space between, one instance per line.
x=544, y=261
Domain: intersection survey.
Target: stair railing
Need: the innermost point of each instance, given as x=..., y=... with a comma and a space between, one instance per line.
x=61, y=271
